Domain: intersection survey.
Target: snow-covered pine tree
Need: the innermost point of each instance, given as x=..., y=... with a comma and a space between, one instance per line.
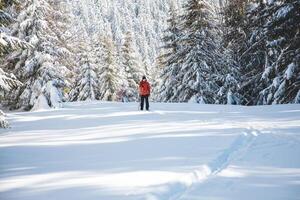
x=155, y=81
x=38, y=67
x=110, y=79
x=8, y=43
x=202, y=71
x=229, y=80
x=281, y=73
x=168, y=61
x=86, y=86
x=81, y=42
x=233, y=14
x=61, y=23
x=133, y=68
x=252, y=58
x=270, y=63
x=7, y=83
x=87, y=50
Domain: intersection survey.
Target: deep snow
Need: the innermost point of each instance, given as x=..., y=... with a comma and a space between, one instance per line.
x=108, y=151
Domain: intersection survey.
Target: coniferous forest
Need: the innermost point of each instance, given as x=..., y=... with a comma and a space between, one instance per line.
x=243, y=52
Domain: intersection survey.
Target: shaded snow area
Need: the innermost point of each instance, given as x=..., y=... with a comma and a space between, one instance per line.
x=110, y=151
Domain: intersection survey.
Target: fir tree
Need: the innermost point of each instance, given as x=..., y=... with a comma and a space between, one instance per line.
x=234, y=16
x=38, y=67
x=88, y=54
x=201, y=71
x=7, y=83
x=8, y=43
x=252, y=56
x=133, y=68
x=281, y=73
x=110, y=81
x=270, y=63
x=86, y=86
x=168, y=61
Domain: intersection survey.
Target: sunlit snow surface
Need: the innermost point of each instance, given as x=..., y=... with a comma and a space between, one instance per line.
x=104, y=151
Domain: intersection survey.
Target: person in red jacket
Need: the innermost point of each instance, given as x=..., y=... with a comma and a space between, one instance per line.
x=144, y=88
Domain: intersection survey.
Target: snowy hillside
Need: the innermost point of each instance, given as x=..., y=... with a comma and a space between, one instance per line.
x=146, y=20
x=109, y=151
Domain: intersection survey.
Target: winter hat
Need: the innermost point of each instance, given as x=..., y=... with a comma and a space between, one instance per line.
x=144, y=78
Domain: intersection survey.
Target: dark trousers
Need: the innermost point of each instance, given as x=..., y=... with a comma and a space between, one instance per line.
x=145, y=98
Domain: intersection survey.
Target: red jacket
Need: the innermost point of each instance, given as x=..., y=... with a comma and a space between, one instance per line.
x=144, y=88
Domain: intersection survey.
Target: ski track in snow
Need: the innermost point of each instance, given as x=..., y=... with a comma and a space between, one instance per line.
x=240, y=146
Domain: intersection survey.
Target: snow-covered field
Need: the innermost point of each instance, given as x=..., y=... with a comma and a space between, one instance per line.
x=110, y=151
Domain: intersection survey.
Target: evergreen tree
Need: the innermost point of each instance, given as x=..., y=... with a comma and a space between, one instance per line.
x=234, y=18
x=87, y=53
x=270, y=61
x=86, y=86
x=281, y=73
x=110, y=81
x=229, y=80
x=133, y=68
x=38, y=67
x=252, y=55
x=8, y=43
x=168, y=61
x=7, y=83
x=155, y=80
x=61, y=23
x=202, y=71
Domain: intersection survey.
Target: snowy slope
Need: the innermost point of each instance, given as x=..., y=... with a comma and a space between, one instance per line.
x=146, y=20
x=108, y=151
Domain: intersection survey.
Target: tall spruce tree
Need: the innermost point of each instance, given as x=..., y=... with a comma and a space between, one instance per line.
x=234, y=16
x=234, y=42
x=168, y=61
x=38, y=67
x=155, y=80
x=133, y=68
x=88, y=59
x=8, y=43
x=110, y=81
x=201, y=72
x=270, y=61
x=86, y=85
x=252, y=56
x=281, y=75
